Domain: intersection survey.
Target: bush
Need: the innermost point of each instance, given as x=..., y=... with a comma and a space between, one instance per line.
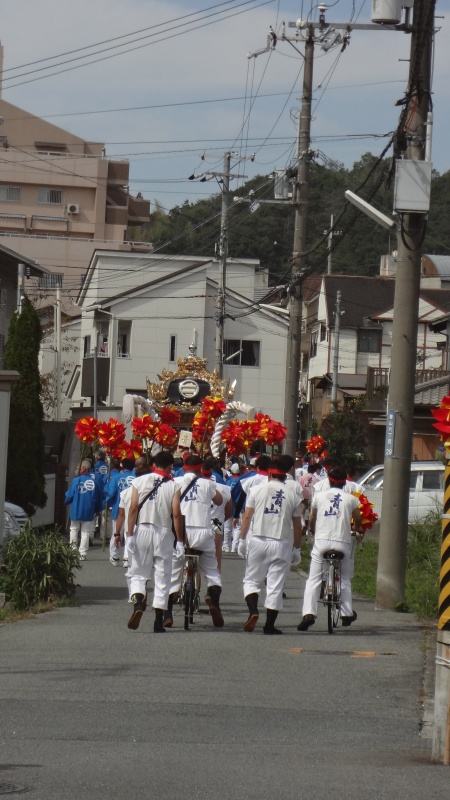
x=37, y=567
x=423, y=566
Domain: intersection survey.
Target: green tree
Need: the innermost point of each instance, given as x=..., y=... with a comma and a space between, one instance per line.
x=268, y=232
x=25, y=480
x=346, y=436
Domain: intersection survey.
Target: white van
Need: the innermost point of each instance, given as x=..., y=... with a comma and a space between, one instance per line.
x=426, y=488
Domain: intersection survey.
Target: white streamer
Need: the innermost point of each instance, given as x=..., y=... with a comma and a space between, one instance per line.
x=230, y=412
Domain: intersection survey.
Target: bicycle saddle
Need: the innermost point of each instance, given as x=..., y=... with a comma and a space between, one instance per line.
x=191, y=551
x=333, y=555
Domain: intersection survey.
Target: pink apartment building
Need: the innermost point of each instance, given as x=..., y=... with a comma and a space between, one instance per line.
x=61, y=198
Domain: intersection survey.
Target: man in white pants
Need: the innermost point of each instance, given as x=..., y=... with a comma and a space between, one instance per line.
x=261, y=476
x=275, y=509
x=330, y=522
x=219, y=514
x=195, y=507
x=141, y=468
x=150, y=539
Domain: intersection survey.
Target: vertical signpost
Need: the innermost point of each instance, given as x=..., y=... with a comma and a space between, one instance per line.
x=390, y=433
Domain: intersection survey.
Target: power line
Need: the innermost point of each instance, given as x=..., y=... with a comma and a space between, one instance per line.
x=115, y=38
x=139, y=47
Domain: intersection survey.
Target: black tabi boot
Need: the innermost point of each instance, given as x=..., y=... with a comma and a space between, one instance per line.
x=212, y=601
x=253, y=614
x=269, y=628
x=138, y=610
x=168, y=614
x=158, y=626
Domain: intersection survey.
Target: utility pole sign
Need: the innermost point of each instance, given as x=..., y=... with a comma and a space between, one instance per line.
x=390, y=434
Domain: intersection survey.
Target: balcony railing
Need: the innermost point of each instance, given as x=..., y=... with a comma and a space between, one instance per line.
x=378, y=381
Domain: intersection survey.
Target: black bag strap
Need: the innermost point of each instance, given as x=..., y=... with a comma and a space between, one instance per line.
x=151, y=494
x=184, y=493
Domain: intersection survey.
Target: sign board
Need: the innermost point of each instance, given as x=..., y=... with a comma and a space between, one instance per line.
x=390, y=434
x=185, y=439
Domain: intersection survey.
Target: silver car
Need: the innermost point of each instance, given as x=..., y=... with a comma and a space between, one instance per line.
x=14, y=519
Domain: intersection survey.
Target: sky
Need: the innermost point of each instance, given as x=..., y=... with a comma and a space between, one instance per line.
x=183, y=86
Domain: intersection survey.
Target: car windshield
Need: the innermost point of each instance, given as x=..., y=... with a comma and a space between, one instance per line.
x=376, y=480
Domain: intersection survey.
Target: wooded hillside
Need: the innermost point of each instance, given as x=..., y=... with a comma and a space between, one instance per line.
x=267, y=232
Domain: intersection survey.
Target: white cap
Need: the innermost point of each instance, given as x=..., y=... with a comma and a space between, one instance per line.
x=235, y=469
x=252, y=462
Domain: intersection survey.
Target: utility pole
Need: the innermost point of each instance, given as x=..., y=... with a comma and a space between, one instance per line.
x=20, y=286
x=400, y=412
x=300, y=201
x=58, y=352
x=330, y=244
x=95, y=376
x=337, y=330
x=331, y=234
x=222, y=250
x=223, y=253
x=329, y=36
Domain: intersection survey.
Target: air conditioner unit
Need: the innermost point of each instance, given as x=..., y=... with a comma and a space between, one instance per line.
x=73, y=208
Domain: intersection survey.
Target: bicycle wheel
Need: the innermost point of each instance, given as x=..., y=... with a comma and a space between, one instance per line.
x=337, y=596
x=329, y=596
x=197, y=584
x=193, y=580
x=188, y=598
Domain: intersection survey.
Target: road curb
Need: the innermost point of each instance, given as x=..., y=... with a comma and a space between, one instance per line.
x=428, y=636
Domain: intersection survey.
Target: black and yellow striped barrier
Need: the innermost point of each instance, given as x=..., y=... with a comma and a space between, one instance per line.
x=444, y=586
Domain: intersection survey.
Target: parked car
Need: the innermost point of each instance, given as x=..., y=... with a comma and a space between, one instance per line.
x=14, y=519
x=426, y=488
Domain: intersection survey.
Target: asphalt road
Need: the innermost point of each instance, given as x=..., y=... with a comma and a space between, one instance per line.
x=91, y=710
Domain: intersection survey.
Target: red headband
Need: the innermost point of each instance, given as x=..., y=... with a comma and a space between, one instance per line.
x=278, y=472
x=162, y=472
x=337, y=480
x=192, y=468
x=207, y=472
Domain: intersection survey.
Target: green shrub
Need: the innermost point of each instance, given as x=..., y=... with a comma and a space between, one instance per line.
x=423, y=566
x=365, y=578
x=36, y=567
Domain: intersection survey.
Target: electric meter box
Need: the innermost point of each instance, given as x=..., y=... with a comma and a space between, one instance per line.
x=282, y=185
x=412, y=186
x=389, y=12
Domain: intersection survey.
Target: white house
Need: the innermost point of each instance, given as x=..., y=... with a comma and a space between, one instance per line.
x=144, y=312
x=365, y=341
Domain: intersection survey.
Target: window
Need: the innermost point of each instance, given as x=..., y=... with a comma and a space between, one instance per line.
x=323, y=332
x=124, y=339
x=433, y=480
x=313, y=345
x=376, y=480
x=10, y=194
x=369, y=341
x=173, y=348
x=86, y=346
x=50, y=196
x=241, y=353
x=103, y=344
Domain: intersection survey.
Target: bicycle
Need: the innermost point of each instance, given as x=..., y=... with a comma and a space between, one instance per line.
x=330, y=591
x=189, y=597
